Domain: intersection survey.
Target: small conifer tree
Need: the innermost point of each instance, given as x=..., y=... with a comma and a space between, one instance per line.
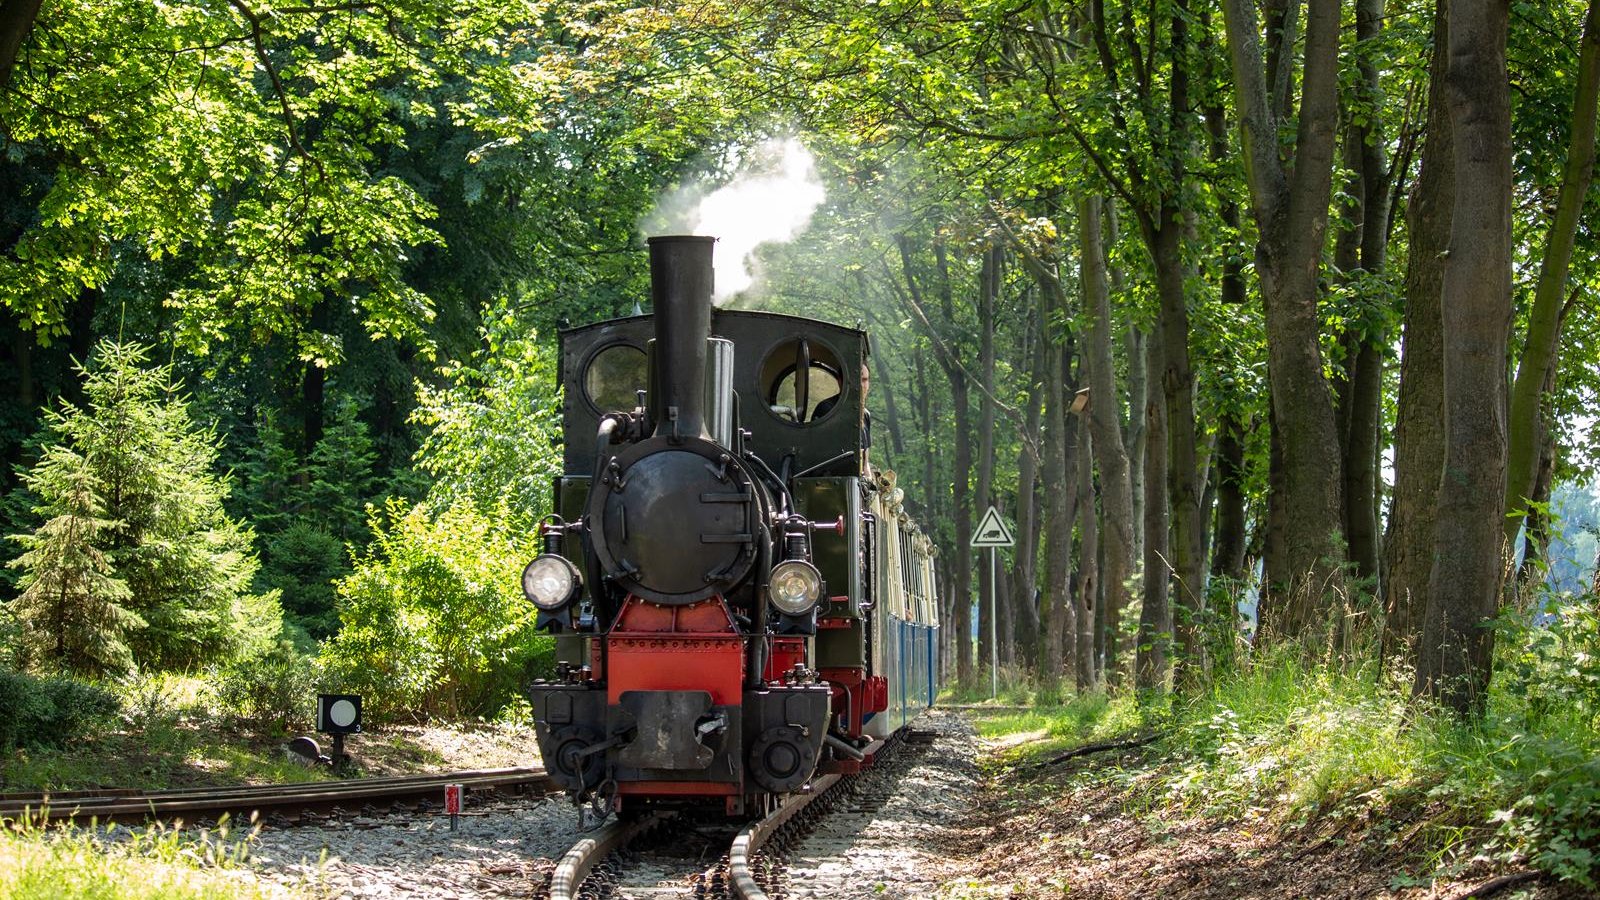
x=72, y=608
x=162, y=532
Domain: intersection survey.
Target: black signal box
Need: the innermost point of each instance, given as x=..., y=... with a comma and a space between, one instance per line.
x=339, y=713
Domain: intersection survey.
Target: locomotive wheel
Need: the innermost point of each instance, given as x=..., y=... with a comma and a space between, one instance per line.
x=568, y=765
x=782, y=759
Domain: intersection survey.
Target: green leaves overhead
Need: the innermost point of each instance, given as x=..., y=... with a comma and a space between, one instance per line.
x=242, y=140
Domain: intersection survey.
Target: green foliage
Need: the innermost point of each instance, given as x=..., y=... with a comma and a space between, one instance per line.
x=172, y=731
x=1347, y=739
x=1295, y=739
x=305, y=513
x=1084, y=717
x=1552, y=661
x=50, y=712
x=433, y=619
x=238, y=141
x=137, y=519
x=493, y=427
x=302, y=562
x=271, y=693
x=10, y=638
x=339, y=475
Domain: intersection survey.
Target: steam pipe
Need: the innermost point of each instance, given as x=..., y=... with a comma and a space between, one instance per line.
x=680, y=293
x=840, y=746
x=757, y=675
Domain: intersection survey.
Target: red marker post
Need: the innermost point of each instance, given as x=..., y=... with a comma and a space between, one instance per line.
x=452, y=803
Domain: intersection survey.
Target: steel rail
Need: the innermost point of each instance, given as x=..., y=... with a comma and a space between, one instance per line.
x=753, y=836
x=581, y=858
x=118, y=805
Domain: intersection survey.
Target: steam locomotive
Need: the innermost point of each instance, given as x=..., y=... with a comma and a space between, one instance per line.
x=739, y=600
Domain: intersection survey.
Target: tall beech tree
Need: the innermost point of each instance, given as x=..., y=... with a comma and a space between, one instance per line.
x=1360, y=252
x=1154, y=660
x=1455, y=651
x=1419, y=437
x=1289, y=195
x=1105, y=424
x=1153, y=183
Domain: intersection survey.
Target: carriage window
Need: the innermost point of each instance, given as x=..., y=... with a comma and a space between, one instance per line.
x=797, y=398
x=615, y=376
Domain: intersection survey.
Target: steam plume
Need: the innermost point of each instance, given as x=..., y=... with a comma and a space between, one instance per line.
x=770, y=200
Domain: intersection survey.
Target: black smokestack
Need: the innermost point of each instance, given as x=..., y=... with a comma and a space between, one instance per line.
x=680, y=293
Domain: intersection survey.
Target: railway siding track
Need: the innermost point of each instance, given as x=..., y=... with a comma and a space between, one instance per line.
x=282, y=800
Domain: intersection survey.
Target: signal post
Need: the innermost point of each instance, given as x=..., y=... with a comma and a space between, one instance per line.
x=992, y=534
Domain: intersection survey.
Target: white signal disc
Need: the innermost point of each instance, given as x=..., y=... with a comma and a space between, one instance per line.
x=342, y=713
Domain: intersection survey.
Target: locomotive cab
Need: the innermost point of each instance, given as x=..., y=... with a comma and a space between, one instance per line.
x=708, y=569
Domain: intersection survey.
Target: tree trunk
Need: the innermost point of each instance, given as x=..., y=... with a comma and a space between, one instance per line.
x=1419, y=422
x=988, y=283
x=1026, y=555
x=897, y=442
x=1454, y=655
x=1155, y=619
x=961, y=493
x=1007, y=617
x=1088, y=568
x=1290, y=206
x=1229, y=539
x=1227, y=554
x=1105, y=421
x=1186, y=550
x=1536, y=545
x=1543, y=339
x=1056, y=603
x=1363, y=246
x=17, y=18
x=1133, y=435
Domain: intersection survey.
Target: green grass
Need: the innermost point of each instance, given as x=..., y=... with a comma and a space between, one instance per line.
x=1303, y=741
x=172, y=733
x=86, y=864
x=1088, y=717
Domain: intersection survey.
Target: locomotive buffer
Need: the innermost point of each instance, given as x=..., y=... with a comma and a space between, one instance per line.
x=993, y=533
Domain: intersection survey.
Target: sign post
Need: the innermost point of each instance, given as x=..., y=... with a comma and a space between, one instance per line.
x=452, y=803
x=993, y=533
x=339, y=715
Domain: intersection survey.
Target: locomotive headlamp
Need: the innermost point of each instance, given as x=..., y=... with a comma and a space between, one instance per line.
x=794, y=586
x=550, y=582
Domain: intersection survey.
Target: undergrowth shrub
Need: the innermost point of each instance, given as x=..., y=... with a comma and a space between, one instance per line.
x=271, y=694
x=433, y=620
x=50, y=712
x=160, y=701
x=303, y=562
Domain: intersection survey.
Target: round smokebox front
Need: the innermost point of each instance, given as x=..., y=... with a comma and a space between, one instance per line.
x=674, y=521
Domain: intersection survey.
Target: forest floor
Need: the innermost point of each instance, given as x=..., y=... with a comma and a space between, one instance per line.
x=1106, y=824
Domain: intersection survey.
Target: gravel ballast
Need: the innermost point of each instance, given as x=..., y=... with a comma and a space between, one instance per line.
x=880, y=839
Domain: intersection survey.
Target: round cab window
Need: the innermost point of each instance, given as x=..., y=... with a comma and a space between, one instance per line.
x=798, y=400
x=615, y=376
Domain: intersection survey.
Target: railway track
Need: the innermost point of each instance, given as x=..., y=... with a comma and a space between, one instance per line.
x=288, y=801
x=738, y=869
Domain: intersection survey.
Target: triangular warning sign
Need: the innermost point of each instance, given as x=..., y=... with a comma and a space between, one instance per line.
x=992, y=531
